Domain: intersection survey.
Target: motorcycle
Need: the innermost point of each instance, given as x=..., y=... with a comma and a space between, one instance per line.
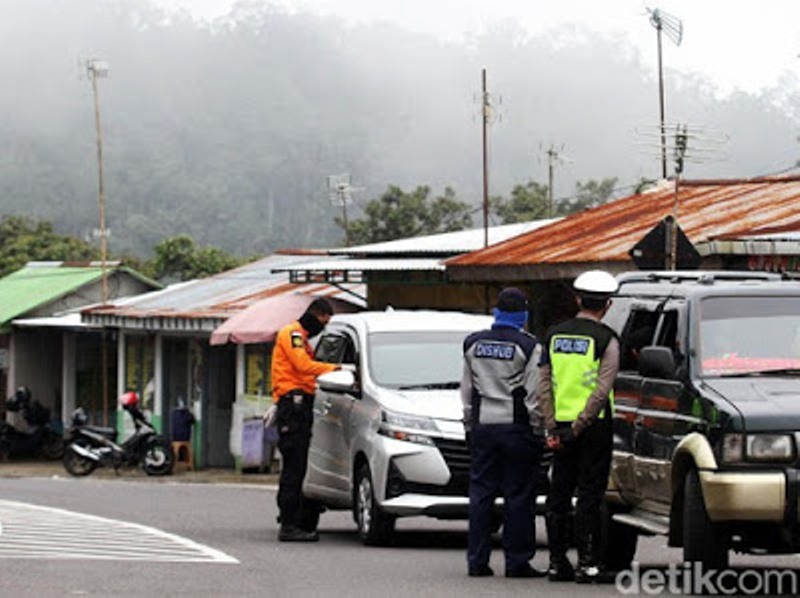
x=39, y=439
x=89, y=447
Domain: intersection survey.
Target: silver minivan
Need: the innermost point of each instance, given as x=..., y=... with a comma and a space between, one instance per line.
x=388, y=440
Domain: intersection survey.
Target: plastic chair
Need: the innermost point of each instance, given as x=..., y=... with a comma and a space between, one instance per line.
x=182, y=450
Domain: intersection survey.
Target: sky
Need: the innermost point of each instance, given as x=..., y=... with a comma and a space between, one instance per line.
x=740, y=44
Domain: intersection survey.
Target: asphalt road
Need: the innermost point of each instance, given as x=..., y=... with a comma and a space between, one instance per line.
x=179, y=539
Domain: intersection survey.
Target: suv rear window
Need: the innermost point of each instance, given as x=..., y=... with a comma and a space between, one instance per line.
x=740, y=335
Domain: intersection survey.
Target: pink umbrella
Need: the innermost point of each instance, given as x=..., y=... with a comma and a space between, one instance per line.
x=260, y=322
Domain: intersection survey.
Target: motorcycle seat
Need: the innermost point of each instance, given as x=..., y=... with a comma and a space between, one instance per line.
x=103, y=431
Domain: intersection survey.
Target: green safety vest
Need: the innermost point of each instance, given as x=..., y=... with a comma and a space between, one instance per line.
x=575, y=349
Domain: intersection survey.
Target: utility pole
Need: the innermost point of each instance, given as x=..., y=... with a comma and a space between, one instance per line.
x=486, y=115
x=94, y=70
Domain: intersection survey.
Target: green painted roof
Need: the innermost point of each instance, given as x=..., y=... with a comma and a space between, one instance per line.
x=32, y=286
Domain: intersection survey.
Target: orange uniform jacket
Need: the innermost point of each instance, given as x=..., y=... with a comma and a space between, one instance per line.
x=293, y=366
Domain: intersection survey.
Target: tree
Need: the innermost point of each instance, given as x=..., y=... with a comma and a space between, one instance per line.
x=180, y=258
x=23, y=240
x=590, y=194
x=528, y=202
x=531, y=200
x=398, y=214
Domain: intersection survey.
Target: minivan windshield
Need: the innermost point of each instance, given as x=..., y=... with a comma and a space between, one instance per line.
x=749, y=335
x=417, y=359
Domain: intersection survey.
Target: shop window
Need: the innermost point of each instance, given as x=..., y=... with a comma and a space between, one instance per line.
x=140, y=367
x=258, y=369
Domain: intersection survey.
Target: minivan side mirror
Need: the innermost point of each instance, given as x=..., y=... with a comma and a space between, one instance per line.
x=657, y=362
x=338, y=381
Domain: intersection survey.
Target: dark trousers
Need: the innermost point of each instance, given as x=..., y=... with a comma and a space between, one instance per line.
x=581, y=466
x=505, y=460
x=293, y=420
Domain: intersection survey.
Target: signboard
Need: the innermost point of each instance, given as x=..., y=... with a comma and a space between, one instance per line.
x=652, y=252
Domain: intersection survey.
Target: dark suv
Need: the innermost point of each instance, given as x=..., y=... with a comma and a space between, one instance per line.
x=707, y=415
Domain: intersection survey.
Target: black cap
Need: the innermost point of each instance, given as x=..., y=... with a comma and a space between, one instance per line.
x=512, y=300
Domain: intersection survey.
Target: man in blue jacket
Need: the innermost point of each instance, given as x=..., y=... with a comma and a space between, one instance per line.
x=504, y=433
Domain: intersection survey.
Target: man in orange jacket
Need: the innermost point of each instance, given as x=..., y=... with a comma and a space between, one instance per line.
x=294, y=374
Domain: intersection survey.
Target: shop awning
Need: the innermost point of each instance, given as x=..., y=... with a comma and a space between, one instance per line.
x=260, y=322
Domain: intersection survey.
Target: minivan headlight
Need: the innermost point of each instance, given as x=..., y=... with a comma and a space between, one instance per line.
x=402, y=426
x=770, y=447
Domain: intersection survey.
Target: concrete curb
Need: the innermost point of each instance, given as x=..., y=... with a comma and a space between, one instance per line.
x=51, y=469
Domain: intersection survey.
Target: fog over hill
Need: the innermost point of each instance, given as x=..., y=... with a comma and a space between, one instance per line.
x=227, y=131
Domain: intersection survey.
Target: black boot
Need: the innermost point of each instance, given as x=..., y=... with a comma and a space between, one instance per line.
x=589, y=569
x=292, y=533
x=560, y=568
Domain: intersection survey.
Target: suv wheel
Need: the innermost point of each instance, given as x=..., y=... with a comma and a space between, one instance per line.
x=375, y=528
x=703, y=540
x=617, y=540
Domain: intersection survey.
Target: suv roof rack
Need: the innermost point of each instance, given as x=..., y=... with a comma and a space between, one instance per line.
x=698, y=276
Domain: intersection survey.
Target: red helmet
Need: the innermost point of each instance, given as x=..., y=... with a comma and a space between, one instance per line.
x=129, y=399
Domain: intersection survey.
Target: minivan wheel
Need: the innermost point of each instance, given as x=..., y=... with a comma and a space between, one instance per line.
x=703, y=540
x=375, y=527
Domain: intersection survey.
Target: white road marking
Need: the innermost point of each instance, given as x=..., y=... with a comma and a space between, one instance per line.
x=32, y=531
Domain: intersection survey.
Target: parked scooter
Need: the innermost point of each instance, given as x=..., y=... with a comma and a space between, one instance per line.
x=89, y=447
x=38, y=439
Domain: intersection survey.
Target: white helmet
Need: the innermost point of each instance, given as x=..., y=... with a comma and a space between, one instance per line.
x=596, y=282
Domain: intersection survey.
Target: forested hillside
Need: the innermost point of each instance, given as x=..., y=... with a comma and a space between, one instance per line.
x=226, y=132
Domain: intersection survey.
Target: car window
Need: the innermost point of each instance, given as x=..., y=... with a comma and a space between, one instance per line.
x=416, y=358
x=637, y=332
x=740, y=335
x=332, y=348
x=617, y=314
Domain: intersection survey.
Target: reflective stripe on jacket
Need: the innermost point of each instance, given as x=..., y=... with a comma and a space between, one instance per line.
x=500, y=378
x=575, y=349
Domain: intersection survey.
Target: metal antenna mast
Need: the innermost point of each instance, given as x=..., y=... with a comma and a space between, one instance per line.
x=689, y=143
x=341, y=193
x=554, y=156
x=673, y=28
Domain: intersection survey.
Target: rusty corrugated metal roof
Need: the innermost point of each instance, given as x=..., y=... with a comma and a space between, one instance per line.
x=204, y=303
x=707, y=209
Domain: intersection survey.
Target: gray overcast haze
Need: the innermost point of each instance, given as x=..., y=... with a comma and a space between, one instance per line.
x=223, y=120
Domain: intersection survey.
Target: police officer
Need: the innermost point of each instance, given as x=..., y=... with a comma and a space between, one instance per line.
x=503, y=425
x=579, y=364
x=294, y=374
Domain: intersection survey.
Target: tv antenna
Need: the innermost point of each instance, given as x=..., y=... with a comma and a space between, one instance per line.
x=340, y=192
x=685, y=143
x=672, y=27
